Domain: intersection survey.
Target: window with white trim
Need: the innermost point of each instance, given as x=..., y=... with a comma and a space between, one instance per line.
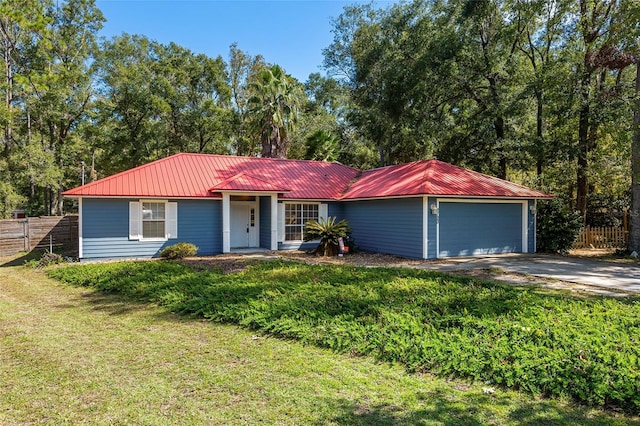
x=153, y=220
x=296, y=217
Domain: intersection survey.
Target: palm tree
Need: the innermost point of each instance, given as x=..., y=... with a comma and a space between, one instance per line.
x=275, y=104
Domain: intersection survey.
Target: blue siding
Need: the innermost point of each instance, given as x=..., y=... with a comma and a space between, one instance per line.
x=387, y=226
x=200, y=223
x=432, y=231
x=105, y=229
x=336, y=210
x=265, y=222
x=468, y=229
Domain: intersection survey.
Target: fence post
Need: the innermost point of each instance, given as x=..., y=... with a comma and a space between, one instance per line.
x=26, y=227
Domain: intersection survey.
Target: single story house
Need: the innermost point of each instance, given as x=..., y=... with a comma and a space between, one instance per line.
x=425, y=209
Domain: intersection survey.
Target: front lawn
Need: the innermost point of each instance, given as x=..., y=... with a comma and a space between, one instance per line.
x=542, y=342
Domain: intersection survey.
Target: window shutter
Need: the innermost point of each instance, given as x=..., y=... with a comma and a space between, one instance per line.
x=323, y=211
x=172, y=220
x=135, y=222
x=280, y=222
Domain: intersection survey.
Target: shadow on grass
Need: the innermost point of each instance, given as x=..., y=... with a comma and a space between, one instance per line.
x=114, y=304
x=472, y=410
x=21, y=259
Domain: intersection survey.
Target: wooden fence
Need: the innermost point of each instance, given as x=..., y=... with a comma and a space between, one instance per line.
x=602, y=237
x=39, y=233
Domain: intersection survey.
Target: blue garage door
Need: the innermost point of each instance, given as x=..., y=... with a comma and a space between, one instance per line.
x=468, y=229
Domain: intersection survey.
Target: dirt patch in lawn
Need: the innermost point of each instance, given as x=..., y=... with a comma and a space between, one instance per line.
x=358, y=259
x=605, y=255
x=227, y=263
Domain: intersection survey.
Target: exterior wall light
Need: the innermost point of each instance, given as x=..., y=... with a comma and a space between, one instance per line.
x=532, y=209
x=434, y=208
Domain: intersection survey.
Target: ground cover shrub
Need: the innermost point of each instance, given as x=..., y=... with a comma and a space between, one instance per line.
x=179, y=251
x=552, y=344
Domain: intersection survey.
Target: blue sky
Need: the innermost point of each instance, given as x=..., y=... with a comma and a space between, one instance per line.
x=291, y=34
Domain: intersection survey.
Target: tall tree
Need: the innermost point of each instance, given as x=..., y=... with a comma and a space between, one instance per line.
x=47, y=48
x=194, y=99
x=18, y=25
x=600, y=25
x=127, y=108
x=544, y=28
x=67, y=80
x=634, y=235
x=276, y=105
x=157, y=100
x=243, y=73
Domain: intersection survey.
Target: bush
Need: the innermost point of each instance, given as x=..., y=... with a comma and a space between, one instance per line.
x=179, y=251
x=47, y=259
x=557, y=227
x=328, y=232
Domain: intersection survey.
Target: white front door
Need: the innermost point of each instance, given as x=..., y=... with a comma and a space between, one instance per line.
x=244, y=224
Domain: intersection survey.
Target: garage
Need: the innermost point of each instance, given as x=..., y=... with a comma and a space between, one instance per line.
x=468, y=228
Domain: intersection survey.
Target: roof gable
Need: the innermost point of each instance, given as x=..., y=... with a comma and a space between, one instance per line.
x=433, y=177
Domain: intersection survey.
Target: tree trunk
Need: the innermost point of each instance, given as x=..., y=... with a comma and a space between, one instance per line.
x=8, y=136
x=265, y=140
x=634, y=235
x=582, y=185
x=502, y=161
x=539, y=137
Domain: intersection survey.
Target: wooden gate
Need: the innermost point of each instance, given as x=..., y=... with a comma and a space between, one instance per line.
x=602, y=237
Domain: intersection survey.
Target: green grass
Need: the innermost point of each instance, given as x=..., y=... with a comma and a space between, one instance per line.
x=546, y=343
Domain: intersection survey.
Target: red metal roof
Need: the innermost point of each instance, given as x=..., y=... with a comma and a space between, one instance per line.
x=203, y=175
x=245, y=182
x=193, y=175
x=433, y=177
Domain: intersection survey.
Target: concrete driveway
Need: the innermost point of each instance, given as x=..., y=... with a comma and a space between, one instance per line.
x=606, y=275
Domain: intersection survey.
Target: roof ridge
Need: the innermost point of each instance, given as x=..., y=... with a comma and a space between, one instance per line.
x=426, y=176
x=298, y=160
x=349, y=184
x=239, y=175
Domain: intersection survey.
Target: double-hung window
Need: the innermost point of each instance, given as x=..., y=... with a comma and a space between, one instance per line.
x=153, y=220
x=296, y=217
